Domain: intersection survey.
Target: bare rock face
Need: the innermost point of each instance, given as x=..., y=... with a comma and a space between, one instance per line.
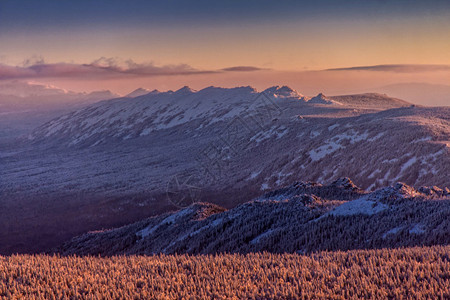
x=392, y=194
x=341, y=189
x=434, y=191
x=345, y=183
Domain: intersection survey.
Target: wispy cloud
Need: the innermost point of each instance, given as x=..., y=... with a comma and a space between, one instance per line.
x=103, y=68
x=397, y=68
x=242, y=69
x=33, y=60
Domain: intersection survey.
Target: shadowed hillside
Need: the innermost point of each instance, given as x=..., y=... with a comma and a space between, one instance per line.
x=301, y=218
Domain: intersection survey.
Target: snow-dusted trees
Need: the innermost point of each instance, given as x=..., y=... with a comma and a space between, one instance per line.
x=416, y=273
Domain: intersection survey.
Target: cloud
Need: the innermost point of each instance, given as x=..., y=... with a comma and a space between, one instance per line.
x=398, y=68
x=242, y=69
x=33, y=60
x=102, y=68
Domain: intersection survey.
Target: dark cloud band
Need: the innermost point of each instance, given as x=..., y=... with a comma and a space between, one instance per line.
x=399, y=68
x=242, y=69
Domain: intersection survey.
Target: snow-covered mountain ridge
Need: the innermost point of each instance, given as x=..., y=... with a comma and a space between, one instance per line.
x=236, y=138
x=127, y=118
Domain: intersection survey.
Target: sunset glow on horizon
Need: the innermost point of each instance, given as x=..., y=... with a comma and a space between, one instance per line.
x=159, y=45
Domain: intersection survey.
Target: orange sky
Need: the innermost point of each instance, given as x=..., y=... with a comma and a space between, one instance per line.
x=285, y=38
x=306, y=82
x=286, y=45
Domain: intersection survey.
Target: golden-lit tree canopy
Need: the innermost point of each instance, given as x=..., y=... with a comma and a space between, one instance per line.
x=413, y=273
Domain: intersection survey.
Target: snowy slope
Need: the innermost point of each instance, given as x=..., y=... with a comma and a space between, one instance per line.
x=231, y=137
x=126, y=118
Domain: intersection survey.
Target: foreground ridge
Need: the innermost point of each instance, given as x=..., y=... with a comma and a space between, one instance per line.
x=301, y=218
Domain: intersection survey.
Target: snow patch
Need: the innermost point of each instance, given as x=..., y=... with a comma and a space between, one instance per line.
x=372, y=139
x=408, y=164
x=358, y=206
x=253, y=175
x=314, y=134
x=322, y=151
x=273, y=131
x=173, y=217
x=147, y=231
x=351, y=135
x=330, y=128
x=424, y=139
x=146, y=131
x=257, y=239
x=417, y=229
x=392, y=231
x=333, y=144
x=214, y=223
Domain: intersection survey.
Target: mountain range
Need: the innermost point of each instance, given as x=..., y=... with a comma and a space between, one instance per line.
x=117, y=161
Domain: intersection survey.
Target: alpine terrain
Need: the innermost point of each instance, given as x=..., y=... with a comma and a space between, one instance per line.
x=117, y=161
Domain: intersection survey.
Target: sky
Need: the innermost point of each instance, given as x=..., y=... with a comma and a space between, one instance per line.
x=122, y=45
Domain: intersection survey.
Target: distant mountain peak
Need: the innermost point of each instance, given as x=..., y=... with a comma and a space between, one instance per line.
x=238, y=89
x=283, y=92
x=185, y=90
x=322, y=99
x=248, y=87
x=31, y=89
x=107, y=94
x=139, y=92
